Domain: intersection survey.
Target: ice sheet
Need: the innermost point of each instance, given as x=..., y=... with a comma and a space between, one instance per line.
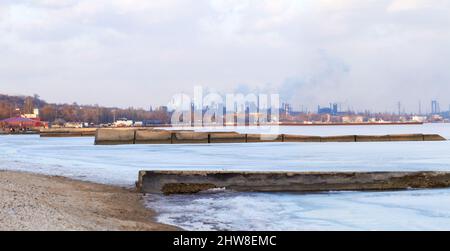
x=406, y=210
x=119, y=165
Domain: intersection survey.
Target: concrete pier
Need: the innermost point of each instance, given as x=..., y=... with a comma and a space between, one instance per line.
x=264, y=138
x=115, y=136
x=152, y=136
x=400, y=137
x=182, y=182
x=344, y=138
x=68, y=132
x=227, y=137
x=300, y=138
x=407, y=137
x=372, y=138
x=190, y=137
x=433, y=137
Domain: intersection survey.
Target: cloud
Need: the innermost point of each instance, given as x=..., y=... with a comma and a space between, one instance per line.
x=370, y=54
x=414, y=5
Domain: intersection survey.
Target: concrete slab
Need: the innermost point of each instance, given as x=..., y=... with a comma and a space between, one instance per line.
x=347, y=138
x=263, y=138
x=372, y=138
x=68, y=132
x=300, y=138
x=153, y=137
x=115, y=136
x=407, y=137
x=173, y=182
x=190, y=138
x=433, y=137
x=227, y=137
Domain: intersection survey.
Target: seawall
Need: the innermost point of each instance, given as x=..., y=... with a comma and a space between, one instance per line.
x=153, y=136
x=182, y=182
x=68, y=132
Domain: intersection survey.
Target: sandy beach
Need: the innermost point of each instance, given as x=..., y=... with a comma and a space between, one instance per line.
x=38, y=202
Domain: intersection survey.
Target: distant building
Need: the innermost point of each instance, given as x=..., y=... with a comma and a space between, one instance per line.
x=152, y=122
x=286, y=109
x=34, y=115
x=376, y=120
x=326, y=110
x=420, y=119
x=435, y=109
x=352, y=119
x=22, y=123
x=74, y=125
x=123, y=122
x=333, y=109
x=436, y=118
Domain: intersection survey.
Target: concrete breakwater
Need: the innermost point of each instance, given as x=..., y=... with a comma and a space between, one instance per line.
x=29, y=132
x=154, y=136
x=185, y=182
x=68, y=132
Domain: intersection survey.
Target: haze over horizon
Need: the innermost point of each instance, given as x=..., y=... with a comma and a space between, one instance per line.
x=364, y=54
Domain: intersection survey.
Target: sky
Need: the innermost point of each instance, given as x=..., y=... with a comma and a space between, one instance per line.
x=362, y=54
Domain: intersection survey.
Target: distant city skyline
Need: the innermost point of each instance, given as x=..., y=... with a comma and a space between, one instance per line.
x=367, y=55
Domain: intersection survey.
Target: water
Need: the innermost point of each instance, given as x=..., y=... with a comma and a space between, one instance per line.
x=406, y=210
x=119, y=165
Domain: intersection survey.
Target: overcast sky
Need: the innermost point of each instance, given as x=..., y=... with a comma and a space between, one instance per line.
x=367, y=54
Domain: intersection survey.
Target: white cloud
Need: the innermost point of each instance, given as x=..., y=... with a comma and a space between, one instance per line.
x=407, y=5
x=343, y=5
x=141, y=52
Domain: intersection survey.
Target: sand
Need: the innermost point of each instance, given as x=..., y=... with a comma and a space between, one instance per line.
x=38, y=202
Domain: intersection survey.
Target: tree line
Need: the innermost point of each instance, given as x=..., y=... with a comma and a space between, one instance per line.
x=13, y=106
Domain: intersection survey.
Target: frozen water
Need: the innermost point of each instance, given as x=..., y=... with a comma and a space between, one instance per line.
x=119, y=165
x=406, y=210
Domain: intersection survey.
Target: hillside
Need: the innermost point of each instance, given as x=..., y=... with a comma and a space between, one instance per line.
x=11, y=106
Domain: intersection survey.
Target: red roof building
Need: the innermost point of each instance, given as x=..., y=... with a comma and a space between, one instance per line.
x=19, y=122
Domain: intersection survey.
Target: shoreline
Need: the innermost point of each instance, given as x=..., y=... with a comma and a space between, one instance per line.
x=53, y=203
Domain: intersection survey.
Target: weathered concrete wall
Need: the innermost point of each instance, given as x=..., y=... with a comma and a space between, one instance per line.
x=433, y=137
x=153, y=137
x=227, y=137
x=347, y=138
x=89, y=134
x=300, y=138
x=190, y=138
x=401, y=137
x=407, y=137
x=372, y=138
x=173, y=182
x=115, y=136
x=31, y=132
x=68, y=132
x=261, y=138
x=63, y=135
